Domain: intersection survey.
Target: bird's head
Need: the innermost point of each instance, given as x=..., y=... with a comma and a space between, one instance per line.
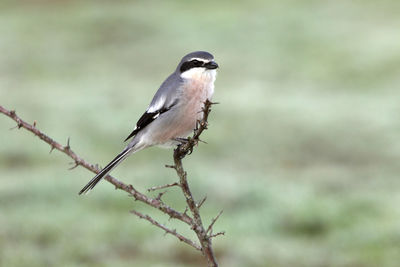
x=197, y=64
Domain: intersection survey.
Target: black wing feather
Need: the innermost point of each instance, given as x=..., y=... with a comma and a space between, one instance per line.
x=147, y=118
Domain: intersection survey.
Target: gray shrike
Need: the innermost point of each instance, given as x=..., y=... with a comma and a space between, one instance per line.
x=174, y=111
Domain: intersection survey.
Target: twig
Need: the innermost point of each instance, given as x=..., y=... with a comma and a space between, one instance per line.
x=217, y=234
x=213, y=221
x=202, y=202
x=166, y=229
x=154, y=188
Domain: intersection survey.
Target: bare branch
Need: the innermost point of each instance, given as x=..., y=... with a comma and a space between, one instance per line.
x=93, y=168
x=167, y=230
x=217, y=234
x=213, y=221
x=201, y=202
x=179, y=153
x=154, y=188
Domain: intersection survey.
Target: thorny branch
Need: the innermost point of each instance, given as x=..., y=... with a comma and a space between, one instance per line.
x=195, y=222
x=179, y=153
x=166, y=229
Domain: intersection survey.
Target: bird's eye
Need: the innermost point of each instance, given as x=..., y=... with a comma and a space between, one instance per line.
x=197, y=63
x=191, y=64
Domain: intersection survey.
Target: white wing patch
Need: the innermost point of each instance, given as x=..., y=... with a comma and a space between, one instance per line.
x=156, y=106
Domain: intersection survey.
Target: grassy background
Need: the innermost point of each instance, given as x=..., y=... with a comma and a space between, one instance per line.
x=303, y=152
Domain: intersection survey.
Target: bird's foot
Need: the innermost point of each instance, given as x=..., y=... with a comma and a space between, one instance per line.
x=182, y=141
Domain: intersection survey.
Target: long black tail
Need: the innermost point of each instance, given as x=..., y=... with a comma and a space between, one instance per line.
x=117, y=160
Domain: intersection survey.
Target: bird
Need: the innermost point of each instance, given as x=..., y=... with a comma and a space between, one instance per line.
x=173, y=112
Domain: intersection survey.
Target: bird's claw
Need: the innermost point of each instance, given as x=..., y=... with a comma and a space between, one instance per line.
x=181, y=140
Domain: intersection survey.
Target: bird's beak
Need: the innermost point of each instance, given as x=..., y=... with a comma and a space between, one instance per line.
x=211, y=65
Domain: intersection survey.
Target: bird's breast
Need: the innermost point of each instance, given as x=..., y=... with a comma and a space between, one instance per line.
x=181, y=120
x=200, y=87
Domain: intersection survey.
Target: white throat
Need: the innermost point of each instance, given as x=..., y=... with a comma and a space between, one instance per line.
x=206, y=75
x=202, y=79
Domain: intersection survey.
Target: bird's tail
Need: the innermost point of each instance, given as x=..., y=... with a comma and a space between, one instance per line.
x=114, y=163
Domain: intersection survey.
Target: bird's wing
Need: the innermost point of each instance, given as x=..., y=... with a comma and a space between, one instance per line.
x=166, y=97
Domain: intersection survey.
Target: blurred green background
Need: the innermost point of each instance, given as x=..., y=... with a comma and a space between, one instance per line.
x=302, y=154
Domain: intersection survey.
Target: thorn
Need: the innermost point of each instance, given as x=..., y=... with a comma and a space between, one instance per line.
x=160, y=195
x=209, y=229
x=129, y=195
x=202, y=202
x=34, y=123
x=186, y=210
x=217, y=234
x=204, y=142
x=67, y=147
x=170, y=166
x=51, y=149
x=73, y=167
x=154, y=188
